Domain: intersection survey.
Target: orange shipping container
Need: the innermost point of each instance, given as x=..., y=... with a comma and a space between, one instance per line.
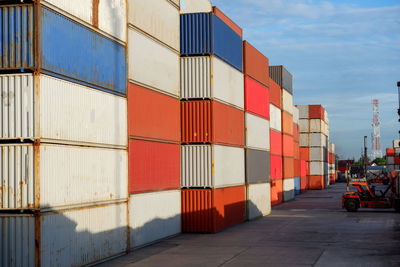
x=287, y=123
x=297, y=168
x=276, y=191
x=390, y=152
x=211, y=210
x=296, y=150
x=287, y=146
x=305, y=153
x=316, y=182
x=296, y=133
x=228, y=21
x=316, y=112
x=255, y=64
x=152, y=115
x=288, y=170
x=208, y=121
x=275, y=96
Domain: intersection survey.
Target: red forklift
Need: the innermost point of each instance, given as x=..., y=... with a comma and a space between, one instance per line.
x=366, y=195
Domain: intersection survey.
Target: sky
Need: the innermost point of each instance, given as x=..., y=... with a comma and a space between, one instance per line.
x=342, y=54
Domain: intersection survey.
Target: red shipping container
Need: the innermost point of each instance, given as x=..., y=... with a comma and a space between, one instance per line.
x=152, y=115
x=275, y=96
x=256, y=98
x=287, y=123
x=316, y=182
x=153, y=166
x=390, y=152
x=207, y=121
x=316, y=112
x=276, y=192
x=296, y=133
x=297, y=168
x=276, y=167
x=288, y=170
x=397, y=160
x=228, y=21
x=255, y=64
x=211, y=210
x=303, y=183
x=287, y=146
x=305, y=153
x=275, y=142
x=296, y=150
x=303, y=168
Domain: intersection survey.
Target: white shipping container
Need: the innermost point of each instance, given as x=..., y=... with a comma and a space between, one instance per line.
x=258, y=200
x=257, y=132
x=396, y=143
x=288, y=189
x=72, y=238
x=275, y=118
x=287, y=102
x=318, y=140
x=111, y=14
x=303, y=111
x=331, y=147
x=195, y=6
x=326, y=116
x=154, y=216
x=61, y=176
x=56, y=110
x=316, y=126
x=296, y=115
x=317, y=154
x=212, y=166
x=210, y=77
x=317, y=168
x=304, y=140
x=304, y=125
x=158, y=18
x=151, y=64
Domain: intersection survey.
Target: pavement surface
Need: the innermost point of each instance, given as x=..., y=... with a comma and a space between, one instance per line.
x=312, y=230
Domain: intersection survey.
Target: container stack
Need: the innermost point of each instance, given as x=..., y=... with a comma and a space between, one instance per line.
x=314, y=136
x=257, y=127
x=331, y=163
x=393, y=157
x=63, y=133
x=153, y=120
x=296, y=152
x=212, y=121
x=275, y=135
x=284, y=79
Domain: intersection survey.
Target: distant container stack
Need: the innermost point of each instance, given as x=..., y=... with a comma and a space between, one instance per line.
x=154, y=120
x=393, y=157
x=296, y=152
x=331, y=163
x=64, y=133
x=212, y=120
x=276, y=142
x=284, y=80
x=257, y=130
x=314, y=139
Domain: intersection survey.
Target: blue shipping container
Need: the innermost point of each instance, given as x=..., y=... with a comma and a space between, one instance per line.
x=206, y=34
x=297, y=188
x=67, y=50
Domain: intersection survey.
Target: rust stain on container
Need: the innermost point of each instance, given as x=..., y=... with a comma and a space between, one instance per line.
x=95, y=12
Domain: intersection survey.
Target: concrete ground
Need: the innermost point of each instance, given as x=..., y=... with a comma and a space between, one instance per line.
x=313, y=230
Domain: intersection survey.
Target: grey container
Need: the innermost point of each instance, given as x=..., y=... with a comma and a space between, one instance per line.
x=282, y=77
x=257, y=166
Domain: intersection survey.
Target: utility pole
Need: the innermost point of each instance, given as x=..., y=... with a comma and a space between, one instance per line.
x=365, y=157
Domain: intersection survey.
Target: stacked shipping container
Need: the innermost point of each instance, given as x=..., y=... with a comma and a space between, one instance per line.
x=332, y=163
x=212, y=122
x=257, y=127
x=63, y=136
x=296, y=152
x=393, y=157
x=153, y=120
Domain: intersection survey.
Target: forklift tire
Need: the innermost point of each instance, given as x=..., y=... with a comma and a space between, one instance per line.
x=397, y=205
x=351, y=205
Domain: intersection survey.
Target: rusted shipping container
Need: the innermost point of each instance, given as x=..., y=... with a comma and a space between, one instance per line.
x=275, y=93
x=316, y=112
x=255, y=64
x=287, y=123
x=287, y=166
x=316, y=182
x=152, y=115
x=257, y=166
x=276, y=191
x=227, y=21
x=276, y=167
x=287, y=146
x=56, y=45
x=153, y=166
x=256, y=98
x=282, y=77
x=206, y=121
x=276, y=142
x=211, y=210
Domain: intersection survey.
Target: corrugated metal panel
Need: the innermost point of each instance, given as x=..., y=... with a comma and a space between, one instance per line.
x=256, y=65
x=152, y=115
x=83, y=236
x=275, y=93
x=276, y=142
x=206, y=34
x=304, y=126
x=75, y=52
x=276, y=118
x=282, y=77
x=153, y=216
x=257, y=166
x=316, y=126
x=287, y=146
x=288, y=167
x=209, y=77
x=194, y=6
x=153, y=166
x=288, y=189
x=17, y=240
x=17, y=106
x=228, y=124
x=196, y=121
x=287, y=123
x=227, y=21
x=257, y=132
x=112, y=18
x=304, y=140
x=303, y=111
x=212, y=166
x=318, y=154
x=256, y=98
x=157, y=18
x=316, y=182
x=159, y=65
x=317, y=139
x=17, y=37
x=17, y=190
x=316, y=112
x=287, y=102
x=317, y=168
x=258, y=200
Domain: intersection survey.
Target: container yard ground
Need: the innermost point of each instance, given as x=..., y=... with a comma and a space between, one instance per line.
x=312, y=230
